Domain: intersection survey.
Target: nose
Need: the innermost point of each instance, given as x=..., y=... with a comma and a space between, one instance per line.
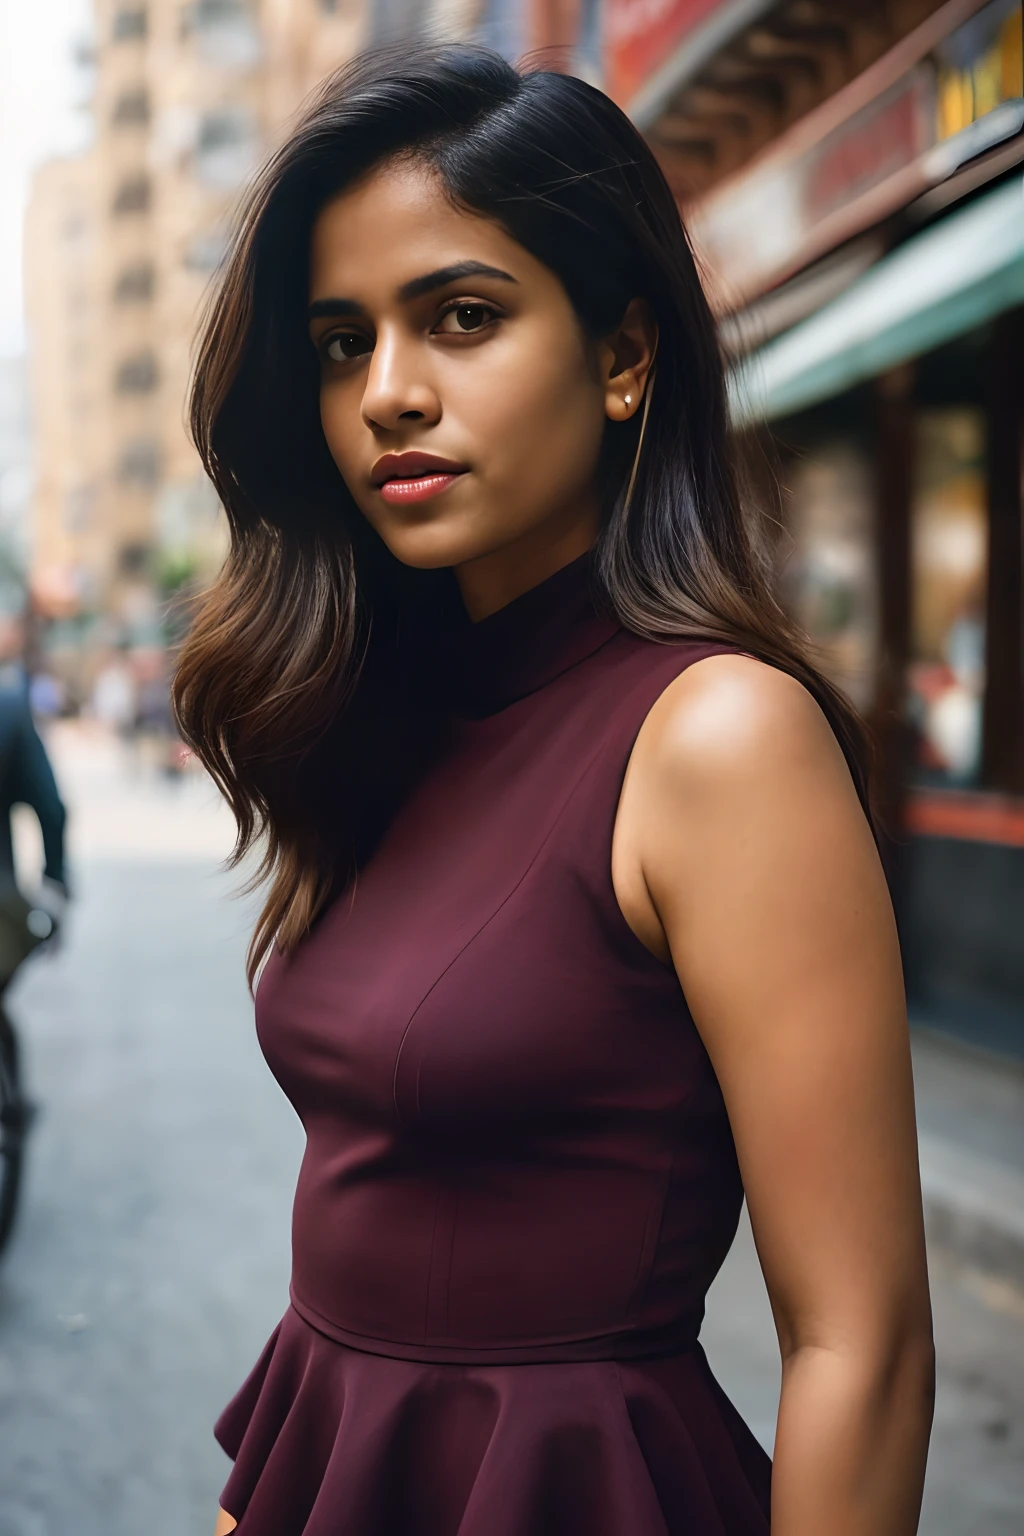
x=398, y=388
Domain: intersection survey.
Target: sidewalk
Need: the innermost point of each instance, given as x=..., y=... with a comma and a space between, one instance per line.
x=970, y=1111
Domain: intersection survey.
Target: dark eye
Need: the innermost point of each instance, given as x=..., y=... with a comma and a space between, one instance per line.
x=465, y=318
x=344, y=345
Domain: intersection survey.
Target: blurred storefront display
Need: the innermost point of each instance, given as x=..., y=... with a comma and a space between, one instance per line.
x=854, y=185
x=827, y=560
x=949, y=566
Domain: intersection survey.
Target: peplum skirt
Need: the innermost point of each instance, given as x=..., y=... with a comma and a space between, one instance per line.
x=330, y=1441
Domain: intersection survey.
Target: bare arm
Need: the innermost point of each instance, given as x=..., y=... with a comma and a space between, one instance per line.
x=225, y=1523
x=742, y=855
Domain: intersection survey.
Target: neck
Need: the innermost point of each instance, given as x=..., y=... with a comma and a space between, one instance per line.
x=496, y=579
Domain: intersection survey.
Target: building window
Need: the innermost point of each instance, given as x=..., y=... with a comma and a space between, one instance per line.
x=222, y=128
x=134, y=559
x=225, y=30
x=134, y=284
x=129, y=23
x=79, y=506
x=217, y=13
x=136, y=375
x=226, y=147
x=139, y=463
x=206, y=251
x=131, y=110
x=132, y=196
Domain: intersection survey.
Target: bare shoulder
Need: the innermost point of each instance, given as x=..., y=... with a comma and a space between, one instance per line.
x=736, y=781
x=740, y=823
x=731, y=719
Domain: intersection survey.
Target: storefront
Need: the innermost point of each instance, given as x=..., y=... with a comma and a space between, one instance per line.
x=867, y=262
x=901, y=554
x=903, y=559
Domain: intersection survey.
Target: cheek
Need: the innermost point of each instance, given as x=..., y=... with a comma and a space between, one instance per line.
x=541, y=422
x=343, y=426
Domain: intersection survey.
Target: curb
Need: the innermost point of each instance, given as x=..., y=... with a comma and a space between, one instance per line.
x=974, y=1206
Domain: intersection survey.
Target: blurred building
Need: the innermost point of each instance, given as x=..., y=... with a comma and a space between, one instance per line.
x=61, y=295
x=121, y=244
x=15, y=478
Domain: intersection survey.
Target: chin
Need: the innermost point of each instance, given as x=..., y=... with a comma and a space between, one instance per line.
x=433, y=546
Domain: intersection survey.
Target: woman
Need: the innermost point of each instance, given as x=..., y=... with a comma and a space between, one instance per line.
x=575, y=924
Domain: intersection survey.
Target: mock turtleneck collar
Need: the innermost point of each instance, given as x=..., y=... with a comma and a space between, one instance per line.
x=530, y=641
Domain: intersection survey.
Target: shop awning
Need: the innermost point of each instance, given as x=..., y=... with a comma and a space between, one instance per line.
x=953, y=277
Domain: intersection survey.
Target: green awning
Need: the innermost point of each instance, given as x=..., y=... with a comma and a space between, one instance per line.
x=959, y=273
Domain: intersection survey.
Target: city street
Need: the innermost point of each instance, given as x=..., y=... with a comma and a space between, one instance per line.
x=151, y=1260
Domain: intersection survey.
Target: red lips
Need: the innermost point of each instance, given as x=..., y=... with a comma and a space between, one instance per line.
x=413, y=466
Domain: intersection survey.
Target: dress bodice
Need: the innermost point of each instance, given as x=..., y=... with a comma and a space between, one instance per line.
x=517, y=1149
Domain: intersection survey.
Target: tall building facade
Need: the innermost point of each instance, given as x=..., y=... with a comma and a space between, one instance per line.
x=121, y=244
x=62, y=287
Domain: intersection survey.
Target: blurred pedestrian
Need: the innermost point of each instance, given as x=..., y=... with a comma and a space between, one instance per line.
x=47, y=695
x=156, y=733
x=114, y=698
x=575, y=925
x=26, y=778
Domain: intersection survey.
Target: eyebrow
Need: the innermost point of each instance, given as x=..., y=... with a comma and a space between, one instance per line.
x=415, y=288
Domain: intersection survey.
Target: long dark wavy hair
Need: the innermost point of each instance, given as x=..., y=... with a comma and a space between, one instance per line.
x=298, y=686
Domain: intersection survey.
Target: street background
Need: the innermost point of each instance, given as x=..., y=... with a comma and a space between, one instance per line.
x=851, y=173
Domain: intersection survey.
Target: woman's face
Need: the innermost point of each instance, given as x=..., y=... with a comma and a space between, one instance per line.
x=460, y=398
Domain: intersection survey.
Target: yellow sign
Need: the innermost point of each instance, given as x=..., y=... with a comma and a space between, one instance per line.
x=980, y=67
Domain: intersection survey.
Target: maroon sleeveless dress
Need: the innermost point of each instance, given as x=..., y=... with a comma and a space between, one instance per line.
x=519, y=1178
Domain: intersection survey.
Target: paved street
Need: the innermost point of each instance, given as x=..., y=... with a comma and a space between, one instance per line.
x=152, y=1258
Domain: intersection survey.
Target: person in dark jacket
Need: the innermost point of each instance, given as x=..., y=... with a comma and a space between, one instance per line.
x=26, y=778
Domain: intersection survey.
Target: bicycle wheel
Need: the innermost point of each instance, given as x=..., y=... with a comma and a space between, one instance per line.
x=14, y=1119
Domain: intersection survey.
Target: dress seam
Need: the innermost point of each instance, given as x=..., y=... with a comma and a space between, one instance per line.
x=559, y=813
x=302, y=1307
x=428, y=1288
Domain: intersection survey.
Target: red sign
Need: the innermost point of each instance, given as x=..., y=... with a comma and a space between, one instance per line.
x=802, y=198
x=877, y=143
x=641, y=35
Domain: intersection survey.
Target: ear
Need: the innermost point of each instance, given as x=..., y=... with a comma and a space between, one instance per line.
x=626, y=359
